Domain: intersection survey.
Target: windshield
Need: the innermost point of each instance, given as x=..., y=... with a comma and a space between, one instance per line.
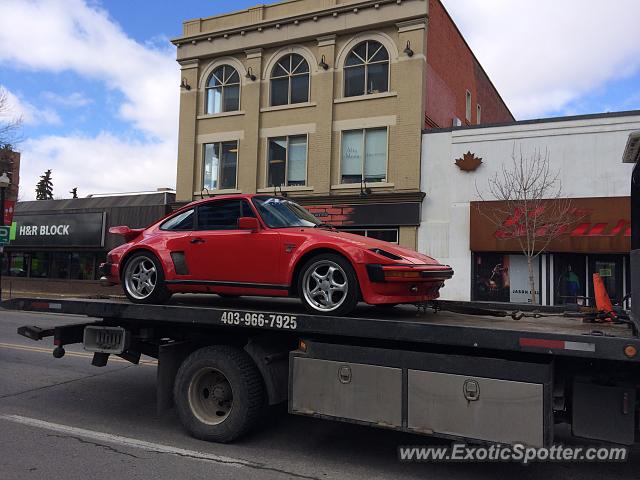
x=283, y=213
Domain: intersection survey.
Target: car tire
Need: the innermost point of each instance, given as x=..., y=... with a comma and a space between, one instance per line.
x=144, y=263
x=219, y=393
x=320, y=303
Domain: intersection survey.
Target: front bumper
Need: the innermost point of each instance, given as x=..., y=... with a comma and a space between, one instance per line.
x=404, y=283
x=408, y=273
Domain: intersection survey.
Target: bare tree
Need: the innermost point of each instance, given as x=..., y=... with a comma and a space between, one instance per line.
x=9, y=125
x=528, y=206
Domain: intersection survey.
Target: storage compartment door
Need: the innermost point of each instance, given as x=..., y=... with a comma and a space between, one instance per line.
x=353, y=391
x=502, y=411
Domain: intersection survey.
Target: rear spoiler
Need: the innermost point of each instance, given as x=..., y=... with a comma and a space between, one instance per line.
x=128, y=233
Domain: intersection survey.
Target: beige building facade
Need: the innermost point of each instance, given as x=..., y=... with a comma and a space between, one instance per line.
x=321, y=100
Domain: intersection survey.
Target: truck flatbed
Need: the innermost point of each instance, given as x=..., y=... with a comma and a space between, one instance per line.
x=548, y=334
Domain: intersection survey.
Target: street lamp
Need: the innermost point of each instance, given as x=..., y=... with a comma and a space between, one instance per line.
x=4, y=184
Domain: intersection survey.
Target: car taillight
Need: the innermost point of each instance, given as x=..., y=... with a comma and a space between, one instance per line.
x=401, y=274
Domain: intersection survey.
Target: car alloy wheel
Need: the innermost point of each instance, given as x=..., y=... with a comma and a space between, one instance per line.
x=141, y=277
x=325, y=285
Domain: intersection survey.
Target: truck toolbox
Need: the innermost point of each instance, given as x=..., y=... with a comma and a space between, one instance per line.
x=487, y=399
x=504, y=411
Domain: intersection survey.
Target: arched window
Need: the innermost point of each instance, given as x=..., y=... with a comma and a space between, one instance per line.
x=290, y=80
x=223, y=90
x=366, y=69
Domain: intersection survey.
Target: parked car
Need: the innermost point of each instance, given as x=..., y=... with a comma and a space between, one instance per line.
x=237, y=245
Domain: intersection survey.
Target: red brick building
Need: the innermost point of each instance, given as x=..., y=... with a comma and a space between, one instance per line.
x=457, y=87
x=10, y=164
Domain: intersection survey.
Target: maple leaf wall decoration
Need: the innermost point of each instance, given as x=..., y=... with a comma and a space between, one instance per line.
x=469, y=162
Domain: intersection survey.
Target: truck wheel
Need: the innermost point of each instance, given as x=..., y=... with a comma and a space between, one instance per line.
x=143, y=279
x=328, y=285
x=219, y=393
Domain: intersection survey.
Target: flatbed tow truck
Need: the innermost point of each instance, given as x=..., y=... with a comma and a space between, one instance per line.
x=456, y=370
x=479, y=377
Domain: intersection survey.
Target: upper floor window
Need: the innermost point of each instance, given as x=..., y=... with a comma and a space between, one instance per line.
x=223, y=90
x=290, y=80
x=366, y=69
x=287, y=161
x=220, y=165
x=364, y=156
x=467, y=112
x=478, y=114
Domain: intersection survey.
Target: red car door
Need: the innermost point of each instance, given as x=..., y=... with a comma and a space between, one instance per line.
x=219, y=252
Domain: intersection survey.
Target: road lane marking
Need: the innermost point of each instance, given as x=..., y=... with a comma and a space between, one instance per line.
x=128, y=441
x=28, y=348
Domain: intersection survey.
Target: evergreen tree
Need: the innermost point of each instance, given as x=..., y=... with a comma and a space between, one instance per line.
x=44, y=188
x=74, y=192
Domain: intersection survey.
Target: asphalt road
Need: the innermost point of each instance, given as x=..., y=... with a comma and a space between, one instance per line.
x=67, y=419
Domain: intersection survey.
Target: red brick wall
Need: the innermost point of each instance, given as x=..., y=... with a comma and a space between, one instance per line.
x=10, y=163
x=452, y=69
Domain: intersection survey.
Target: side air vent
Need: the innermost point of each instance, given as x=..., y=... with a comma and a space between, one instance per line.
x=179, y=263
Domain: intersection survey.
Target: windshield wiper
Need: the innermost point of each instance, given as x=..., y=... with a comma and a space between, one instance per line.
x=324, y=225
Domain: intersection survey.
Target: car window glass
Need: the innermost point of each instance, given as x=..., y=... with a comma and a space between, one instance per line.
x=222, y=215
x=182, y=221
x=282, y=213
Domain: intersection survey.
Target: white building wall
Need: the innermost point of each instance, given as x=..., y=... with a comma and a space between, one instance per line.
x=587, y=152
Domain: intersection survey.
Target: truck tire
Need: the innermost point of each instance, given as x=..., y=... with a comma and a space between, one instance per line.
x=219, y=393
x=328, y=285
x=143, y=279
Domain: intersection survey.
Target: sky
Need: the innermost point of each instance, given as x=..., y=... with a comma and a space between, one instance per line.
x=96, y=83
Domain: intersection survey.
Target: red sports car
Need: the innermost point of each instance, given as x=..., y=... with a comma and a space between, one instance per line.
x=236, y=245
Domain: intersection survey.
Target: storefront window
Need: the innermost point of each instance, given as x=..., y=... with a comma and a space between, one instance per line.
x=387, y=234
x=83, y=266
x=504, y=278
x=5, y=264
x=569, y=278
x=39, y=265
x=60, y=265
x=18, y=265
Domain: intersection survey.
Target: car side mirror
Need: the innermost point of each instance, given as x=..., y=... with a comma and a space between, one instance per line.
x=248, y=223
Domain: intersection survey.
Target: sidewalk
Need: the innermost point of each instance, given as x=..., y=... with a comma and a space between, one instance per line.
x=13, y=287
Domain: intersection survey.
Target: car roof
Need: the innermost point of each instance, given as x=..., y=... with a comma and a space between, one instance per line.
x=230, y=196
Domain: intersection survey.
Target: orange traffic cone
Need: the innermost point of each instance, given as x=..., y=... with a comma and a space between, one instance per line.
x=603, y=302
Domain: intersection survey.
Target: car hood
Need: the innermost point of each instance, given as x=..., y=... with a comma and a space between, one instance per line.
x=366, y=243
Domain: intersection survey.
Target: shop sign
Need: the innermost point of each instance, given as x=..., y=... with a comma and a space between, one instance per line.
x=602, y=225
x=370, y=214
x=60, y=230
x=4, y=235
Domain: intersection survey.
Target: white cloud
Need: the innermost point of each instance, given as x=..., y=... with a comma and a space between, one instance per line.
x=69, y=35
x=544, y=54
x=19, y=108
x=72, y=100
x=78, y=36
x=100, y=164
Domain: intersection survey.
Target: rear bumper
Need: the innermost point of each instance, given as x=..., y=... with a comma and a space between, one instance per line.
x=109, y=274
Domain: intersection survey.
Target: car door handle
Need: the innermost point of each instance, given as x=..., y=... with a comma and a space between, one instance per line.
x=196, y=240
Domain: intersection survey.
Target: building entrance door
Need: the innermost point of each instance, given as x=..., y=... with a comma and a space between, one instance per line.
x=610, y=269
